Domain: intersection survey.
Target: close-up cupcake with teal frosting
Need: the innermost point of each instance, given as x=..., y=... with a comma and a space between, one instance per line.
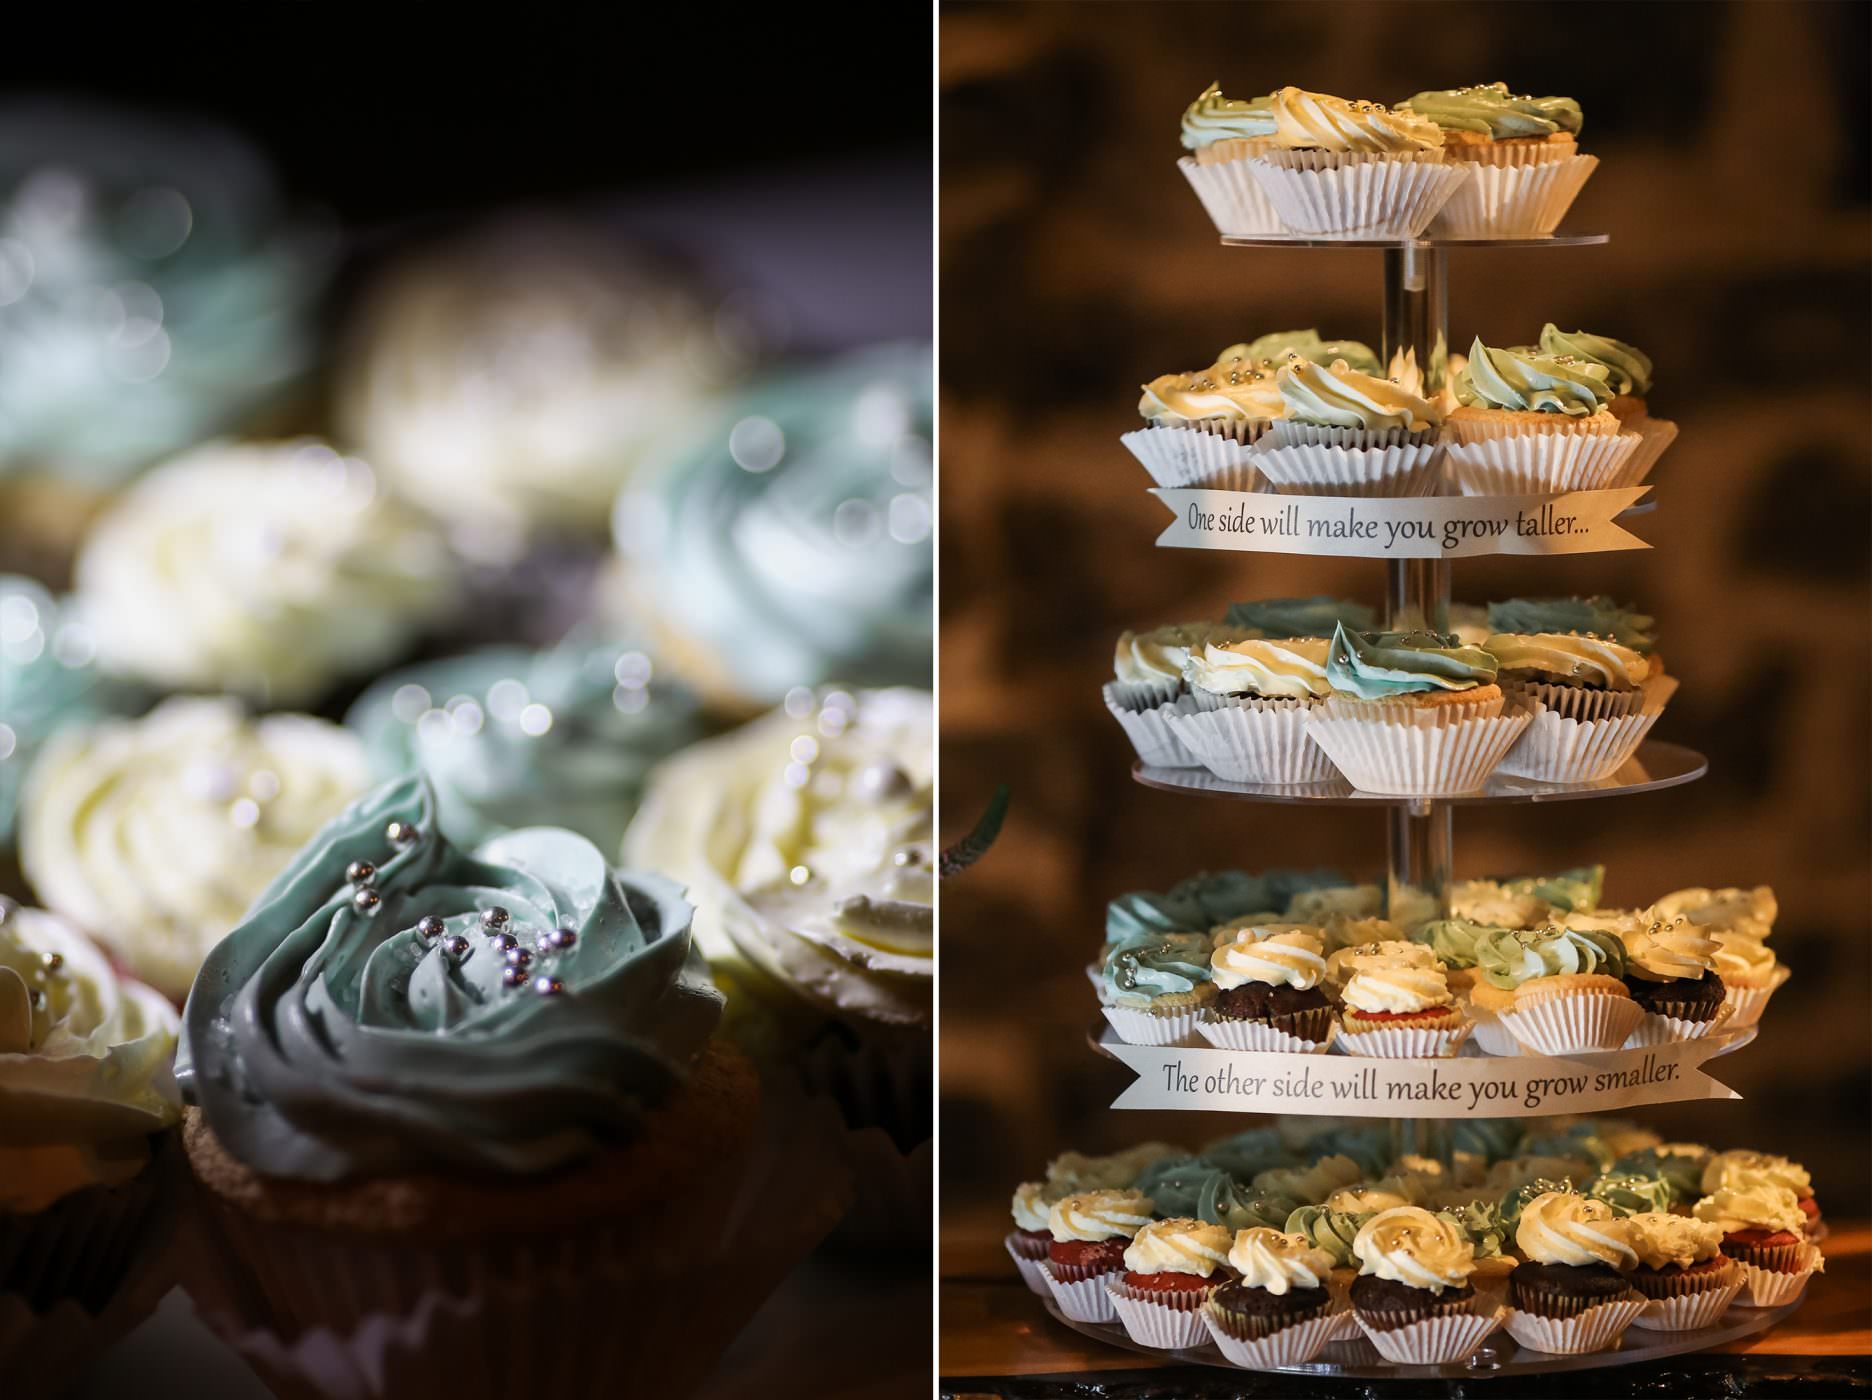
x=788, y=543
x=1529, y=420
x=153, y=835
x=1522, y=153
x=432, y=1087
x=512, y=738
x=1343, y=432
x=1413, y=713
x=1556, y=990
x=1340, y=169
x=1628, y=374
x=87, y=1181
x=1155, y=988
x=1221, y=135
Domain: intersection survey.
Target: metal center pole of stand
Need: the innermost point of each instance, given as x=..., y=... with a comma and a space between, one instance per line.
x=1417, y=594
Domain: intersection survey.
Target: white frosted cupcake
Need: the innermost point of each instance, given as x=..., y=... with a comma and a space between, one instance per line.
x=156, y=834
x=270, y=570
x=1750, y=975
x=1148, y=667
x=1198, y=426
x=1251, y=701
x=1268, y=992
x=1091, y=1231
x=1028, y=1241
x=1397, y=1004
x=1278, y=1310
x=1628, y=374
x=1751, y=912
x=1413, y=1297
x=1571, y=1295
x=1170, y=1269
x=1686, y=1280
x=1340, y=169
x=1221, y=135
x=1349, y=434
x=1593, y=701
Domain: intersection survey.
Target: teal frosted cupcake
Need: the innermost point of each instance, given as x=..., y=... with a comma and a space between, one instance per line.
x=1222, y=134
x=1556, y=990
x=1525, y=167
x=1628, y=372
x=1529, y=421
x=512, y=738
x=1155, y=988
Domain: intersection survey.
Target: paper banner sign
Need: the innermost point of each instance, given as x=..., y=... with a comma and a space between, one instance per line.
x=1358, y=1086
x=1405, y=527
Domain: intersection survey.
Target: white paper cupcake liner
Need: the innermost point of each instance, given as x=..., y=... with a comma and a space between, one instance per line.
x=1535, y=463
x=1381, y=197
x=1574, y=1023
x=1490, y=1035
x=1480, y=427
x=1404, y=1042
x=1138, y=696
x=1256, y=741
x=1596, y=1329
x=1032, y=1271
x=1290, y=432
x=1150, y=733
x=1322, y=470
x=1232, y=197
x=1690, y=1312
x=1083, y=1301
x=1291, y=1346
x=1259, y=1036
x=1747, y=1003
x=1154, y=1323
x=1668, y=1030
x=1581, y=702
x=1185, y=457
x=1423, y=759
x=1764, y=1288
x=1555, y=749
x=1654, y=435
x=1514, y=201
x=1136, y=1027
x=1436, y=1341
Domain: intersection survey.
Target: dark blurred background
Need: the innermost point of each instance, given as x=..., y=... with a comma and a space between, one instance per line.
x=1076, y=264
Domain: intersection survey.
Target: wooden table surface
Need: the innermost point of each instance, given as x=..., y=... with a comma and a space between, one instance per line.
x=995, y=1334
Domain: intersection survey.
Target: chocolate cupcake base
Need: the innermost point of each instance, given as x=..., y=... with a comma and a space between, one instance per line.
x=1249, y=1313
x=1680, y=998
x=1565, y=1290
x=1385, y=1305
x=1303, y=1012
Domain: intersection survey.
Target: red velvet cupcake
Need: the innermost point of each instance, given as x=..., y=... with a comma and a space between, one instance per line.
x=1170, y=1269
x=1090, y=1231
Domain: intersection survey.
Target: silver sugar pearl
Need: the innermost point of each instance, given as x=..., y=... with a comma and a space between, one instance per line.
x=38, y=1000
x=514, y=977
x=547, y=986
x=909, y=855
x=503, y=942
x=430, y=927
x=360, y=872
x=366, y=900
x=494, y=919
x=52, y=962
x=561, y=939
x=401, y=834
x=521, y=958
x=456, y=947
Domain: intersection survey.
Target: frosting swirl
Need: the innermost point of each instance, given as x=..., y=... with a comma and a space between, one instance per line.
x=1178, y=1246
x=1032, y=1205
x=1328, y=902
x=1230, y=390
x=1281, y=619
x=1452, y=941
x=1586, y=661
x=1310, y=1184
x=333, y=1036
x=1073, y=1173
x=1328, y=1230
x=1666, y=952
x=157, y=833
x=1628, y=369
x=1170, y=965
x=1412, y=1246
x=806, y=841
x=1370, y=1197
x=1664, y=1241
x=1335, y=395
x=1292, y=670
x=1751, y=912
x=1679, y=1165
x=1739, y=956
x=1491, y=110
x=1277, y=1261
x=513, y=738
x=84, y=1064
x=1597, y=615
x=1530, y=380
x=265, y=569
x=1559, y=1227
x=1629, y=1193
x=1099, y=1215
x=1162, y=653
x=1213, y=117
x=1507, y=958
x=1486, y=904
x=1741, y=1169
x=1376, y=665
x=1315, y=121
x=1391, y=981
x=1274, y=960
x=1759, y=1205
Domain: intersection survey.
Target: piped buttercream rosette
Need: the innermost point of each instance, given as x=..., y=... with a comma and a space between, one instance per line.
x=1343, y=432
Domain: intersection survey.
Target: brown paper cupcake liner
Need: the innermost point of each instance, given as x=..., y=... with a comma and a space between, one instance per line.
x=1232, y=197
x=1682, y=1283
x=78, y=1248
x=1308, y=1030
x=1578, y=701
x=1691, y=1312
x=1595, y=1328
x=1778, y=1258
x=1662, y=1026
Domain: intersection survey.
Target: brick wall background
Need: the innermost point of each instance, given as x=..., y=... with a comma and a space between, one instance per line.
x=1076, y=263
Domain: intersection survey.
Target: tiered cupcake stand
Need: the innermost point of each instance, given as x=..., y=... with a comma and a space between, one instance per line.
x=1420, y=845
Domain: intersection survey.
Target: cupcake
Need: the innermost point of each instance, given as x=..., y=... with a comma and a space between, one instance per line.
x=1091, y=1231
x=805, y=841
x=1170, y=1269
x=1765, y=1231
x=1194, y=1187
x=514, y=380
x=1679, y=1165
x=1741, y=1169
x=1245, y=1155
x=1147, y=667
x=1251, y=704
x=1412, y=1297
x=1670, y=972
x=789, y=545
x=1522, y=154
x=1344, y=433
x=1073, y=1173
x=271, y=570
x=512, y=738
x=87, y=1102
x=1452, y=943
x=1318, y=616
x=1198, y=426
x=1571, y=1294
x=1529, y=423
x=1268, y=993
x=1413, y=713
x=1277, y=1310
x=154, y=835
x=1330, y=1231
x=1155, y=989
x=1751, y=912
x=513, y=1050
x=1277, y=348
x=1310, y=1183
x=1339, y=169
x=1492, y=904
x=1556, y=990
x=1684, y=1277
x=1577, y=676
x=1221, y=135
x=1597, y=616
x=48, y=660
x=1027, y=1243
x=1750, y=975
x=1397, y=1005
x=1628, y=373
